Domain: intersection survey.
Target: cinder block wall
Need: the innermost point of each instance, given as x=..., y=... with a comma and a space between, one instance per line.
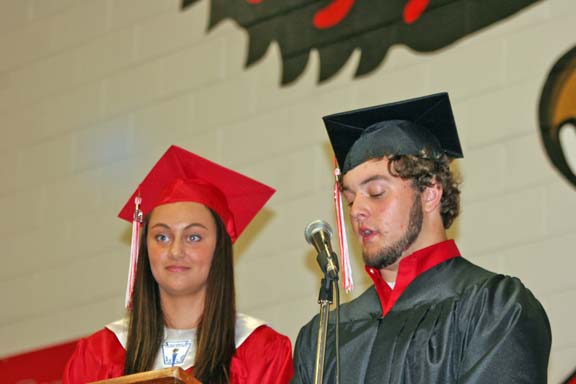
x=93, y=92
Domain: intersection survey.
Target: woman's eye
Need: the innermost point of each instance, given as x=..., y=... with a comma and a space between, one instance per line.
x=194, y=238
x=162, y=238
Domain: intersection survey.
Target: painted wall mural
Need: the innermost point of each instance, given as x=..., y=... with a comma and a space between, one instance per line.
x=336, y=28
x=557, y=115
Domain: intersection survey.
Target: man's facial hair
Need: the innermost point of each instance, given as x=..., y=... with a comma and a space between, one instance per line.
x=390, y=254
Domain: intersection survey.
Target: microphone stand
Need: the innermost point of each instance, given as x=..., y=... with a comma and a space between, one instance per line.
x=325, y=299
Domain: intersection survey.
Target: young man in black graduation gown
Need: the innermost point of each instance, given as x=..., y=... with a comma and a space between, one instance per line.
x=431, y=316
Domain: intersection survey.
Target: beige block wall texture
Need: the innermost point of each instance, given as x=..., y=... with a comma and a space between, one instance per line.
x=92, y=92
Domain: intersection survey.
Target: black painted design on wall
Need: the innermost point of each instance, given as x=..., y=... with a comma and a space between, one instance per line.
x=557, y=113
x=372, y=26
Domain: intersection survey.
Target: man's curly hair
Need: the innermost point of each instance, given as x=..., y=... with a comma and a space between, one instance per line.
x=424, y=172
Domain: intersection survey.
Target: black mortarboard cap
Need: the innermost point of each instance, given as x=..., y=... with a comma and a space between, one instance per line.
x=421, y=126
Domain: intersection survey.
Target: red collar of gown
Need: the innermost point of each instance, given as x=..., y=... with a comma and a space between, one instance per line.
x=409, y=268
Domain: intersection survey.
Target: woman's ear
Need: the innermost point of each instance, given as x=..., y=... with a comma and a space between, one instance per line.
x=431, y=197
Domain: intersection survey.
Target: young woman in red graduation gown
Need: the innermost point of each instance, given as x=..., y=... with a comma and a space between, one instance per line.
x=183, y=310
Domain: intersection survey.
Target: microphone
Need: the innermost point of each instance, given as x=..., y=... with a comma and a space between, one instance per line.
x=318, y=233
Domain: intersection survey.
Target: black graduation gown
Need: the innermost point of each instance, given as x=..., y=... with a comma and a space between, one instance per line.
x=455, y=323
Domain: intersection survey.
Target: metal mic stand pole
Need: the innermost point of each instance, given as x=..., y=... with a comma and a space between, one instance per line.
x=324, y=299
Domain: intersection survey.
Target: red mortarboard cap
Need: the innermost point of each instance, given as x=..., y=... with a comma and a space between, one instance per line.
x=409, y=127
x=180, y=175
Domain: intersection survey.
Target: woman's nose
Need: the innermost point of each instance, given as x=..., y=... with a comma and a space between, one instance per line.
x=176, y=249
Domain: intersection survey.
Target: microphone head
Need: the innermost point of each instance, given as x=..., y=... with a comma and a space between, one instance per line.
x=317, y=226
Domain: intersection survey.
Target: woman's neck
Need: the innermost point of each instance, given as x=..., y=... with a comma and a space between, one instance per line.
x=182, y=312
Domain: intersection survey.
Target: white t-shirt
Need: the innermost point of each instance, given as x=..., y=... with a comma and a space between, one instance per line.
x=179, y=345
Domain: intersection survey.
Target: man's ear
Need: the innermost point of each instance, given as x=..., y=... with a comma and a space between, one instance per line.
x=431, y=197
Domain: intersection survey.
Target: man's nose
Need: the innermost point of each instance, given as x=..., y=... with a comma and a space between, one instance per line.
x=358, y=209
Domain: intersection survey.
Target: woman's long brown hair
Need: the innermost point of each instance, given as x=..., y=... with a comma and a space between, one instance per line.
x=215, y=333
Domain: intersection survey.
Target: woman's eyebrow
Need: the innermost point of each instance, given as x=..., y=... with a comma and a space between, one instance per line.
x=191, y=225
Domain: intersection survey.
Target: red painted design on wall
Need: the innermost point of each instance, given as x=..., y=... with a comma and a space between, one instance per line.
x=42, y=366
x=413, y=10
x=333, y=13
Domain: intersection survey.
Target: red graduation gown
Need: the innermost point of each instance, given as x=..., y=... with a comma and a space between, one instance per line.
x=265, y=357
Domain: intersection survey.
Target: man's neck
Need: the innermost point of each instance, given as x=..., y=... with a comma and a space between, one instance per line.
x=390, y=272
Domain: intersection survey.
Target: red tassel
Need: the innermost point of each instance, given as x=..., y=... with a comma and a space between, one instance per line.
x=134, y=248
x=347, y=280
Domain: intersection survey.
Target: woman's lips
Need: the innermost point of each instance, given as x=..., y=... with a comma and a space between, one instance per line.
x=177, y=268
